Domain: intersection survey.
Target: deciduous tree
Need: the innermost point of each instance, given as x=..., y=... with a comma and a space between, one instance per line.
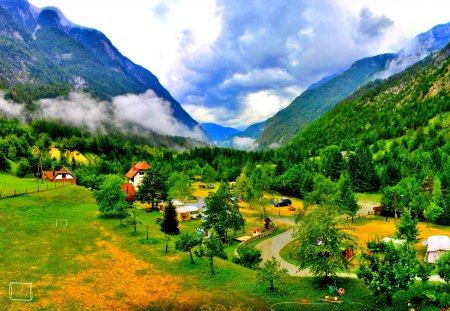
x=153, y=188
x=211, y=247
x=110, y=197
x=387, y=268
x=186, y=243
x=271, y=272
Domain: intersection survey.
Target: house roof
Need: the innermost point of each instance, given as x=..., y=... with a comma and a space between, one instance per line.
x=49, y=174
x=187, y=209
x=64, y=170
x=136, y=168
x=438, y=243
x=52, y=174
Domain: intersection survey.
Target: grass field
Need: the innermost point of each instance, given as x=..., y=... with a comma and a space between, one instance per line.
x=97, y=264
x=10, y=185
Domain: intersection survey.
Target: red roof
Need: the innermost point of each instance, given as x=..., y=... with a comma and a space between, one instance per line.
x=128, y=188
x=52, y=174
x=136, y=168
x=49, y=174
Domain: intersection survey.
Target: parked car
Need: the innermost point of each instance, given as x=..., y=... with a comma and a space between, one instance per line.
x=283, y=202
x=211, y=186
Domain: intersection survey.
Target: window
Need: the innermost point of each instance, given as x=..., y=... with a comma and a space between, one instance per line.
x=141, y=173
x=63, y=175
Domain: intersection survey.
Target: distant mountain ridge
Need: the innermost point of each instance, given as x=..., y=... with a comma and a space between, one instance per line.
x=40, y=48
x=325, y=94
x=218, y=132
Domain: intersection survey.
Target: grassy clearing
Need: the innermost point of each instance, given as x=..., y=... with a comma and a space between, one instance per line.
x=369, y=197
x=10, y=185
x=97, y=264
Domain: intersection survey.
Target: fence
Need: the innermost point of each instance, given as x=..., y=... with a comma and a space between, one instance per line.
x=257, y=237
x=358, y=216
x=5, y=194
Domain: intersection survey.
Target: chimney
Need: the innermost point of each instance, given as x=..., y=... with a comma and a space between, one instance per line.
x=134, y=167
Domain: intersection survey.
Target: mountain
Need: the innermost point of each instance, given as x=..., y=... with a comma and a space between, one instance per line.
x=42, y=51
x=318, y=100
x=323, y=95
x=411, y=110
x=218, y=132
x=243, y=140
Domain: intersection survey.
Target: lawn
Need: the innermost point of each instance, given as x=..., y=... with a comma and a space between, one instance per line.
x=97, y=264
x=11, y=185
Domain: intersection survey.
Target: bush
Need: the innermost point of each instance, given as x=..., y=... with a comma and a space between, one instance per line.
x=248, y=257
x=444, y=267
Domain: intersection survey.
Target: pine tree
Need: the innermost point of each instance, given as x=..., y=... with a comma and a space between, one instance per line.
x=407, y=227
x=153, y=188
x=346, y=200
x=170, y=222
x=362, y=171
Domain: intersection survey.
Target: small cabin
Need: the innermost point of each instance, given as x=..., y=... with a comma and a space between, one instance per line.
x=62, y=176
x=437, y=245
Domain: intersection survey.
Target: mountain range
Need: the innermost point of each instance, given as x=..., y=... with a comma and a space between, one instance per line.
x=44, y=53
x=326, y=93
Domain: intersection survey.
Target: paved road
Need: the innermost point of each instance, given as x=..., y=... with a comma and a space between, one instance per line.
x=272, y=247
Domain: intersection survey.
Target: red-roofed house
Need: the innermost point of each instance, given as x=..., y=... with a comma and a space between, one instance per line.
x=136, y=174
x=63, y=175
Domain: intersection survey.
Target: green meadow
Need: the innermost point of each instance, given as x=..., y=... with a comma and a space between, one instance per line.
x=99, y=264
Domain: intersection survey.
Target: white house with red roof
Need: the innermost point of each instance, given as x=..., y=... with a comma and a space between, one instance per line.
x=137, y=173
x=63, y=175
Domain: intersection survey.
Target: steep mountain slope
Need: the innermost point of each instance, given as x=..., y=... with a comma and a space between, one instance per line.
x=40, y=48
x=314, y=102
x=218, y=132
x=411, y=107
x=325, y=94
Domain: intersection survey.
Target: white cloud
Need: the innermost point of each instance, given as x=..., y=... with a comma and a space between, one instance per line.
x=8, y=109
x=128, y=112
x=260, y=78
x=244, y=143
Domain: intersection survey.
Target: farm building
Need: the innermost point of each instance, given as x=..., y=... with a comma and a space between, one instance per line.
x=136, y=174
x=63, y=176
x=436, y=246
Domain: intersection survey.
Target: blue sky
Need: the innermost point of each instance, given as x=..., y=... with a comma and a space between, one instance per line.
x=237, y=62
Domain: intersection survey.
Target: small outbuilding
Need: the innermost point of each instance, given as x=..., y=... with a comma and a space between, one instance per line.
x=186, y=213
x=436, y=246
x=63, y=176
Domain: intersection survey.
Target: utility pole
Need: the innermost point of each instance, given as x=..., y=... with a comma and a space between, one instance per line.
x=395, y=206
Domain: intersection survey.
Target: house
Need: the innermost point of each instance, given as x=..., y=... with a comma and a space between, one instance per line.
x=136, y=174
x=63, y=176
x=437, y=245
x=186, y=213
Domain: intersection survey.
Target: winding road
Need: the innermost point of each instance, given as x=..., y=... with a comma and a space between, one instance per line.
x=272, y=247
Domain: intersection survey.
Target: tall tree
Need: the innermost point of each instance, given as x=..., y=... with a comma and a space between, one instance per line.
x=179, y=186
x=153, y=188
x=170, y=223
x=211, y=247
x=346, y=199
x=362, y=171
x=271, y=272
x=221, y=212
x=321, y=236
x=331, y=162
x=110, y=197
x=407, y=227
